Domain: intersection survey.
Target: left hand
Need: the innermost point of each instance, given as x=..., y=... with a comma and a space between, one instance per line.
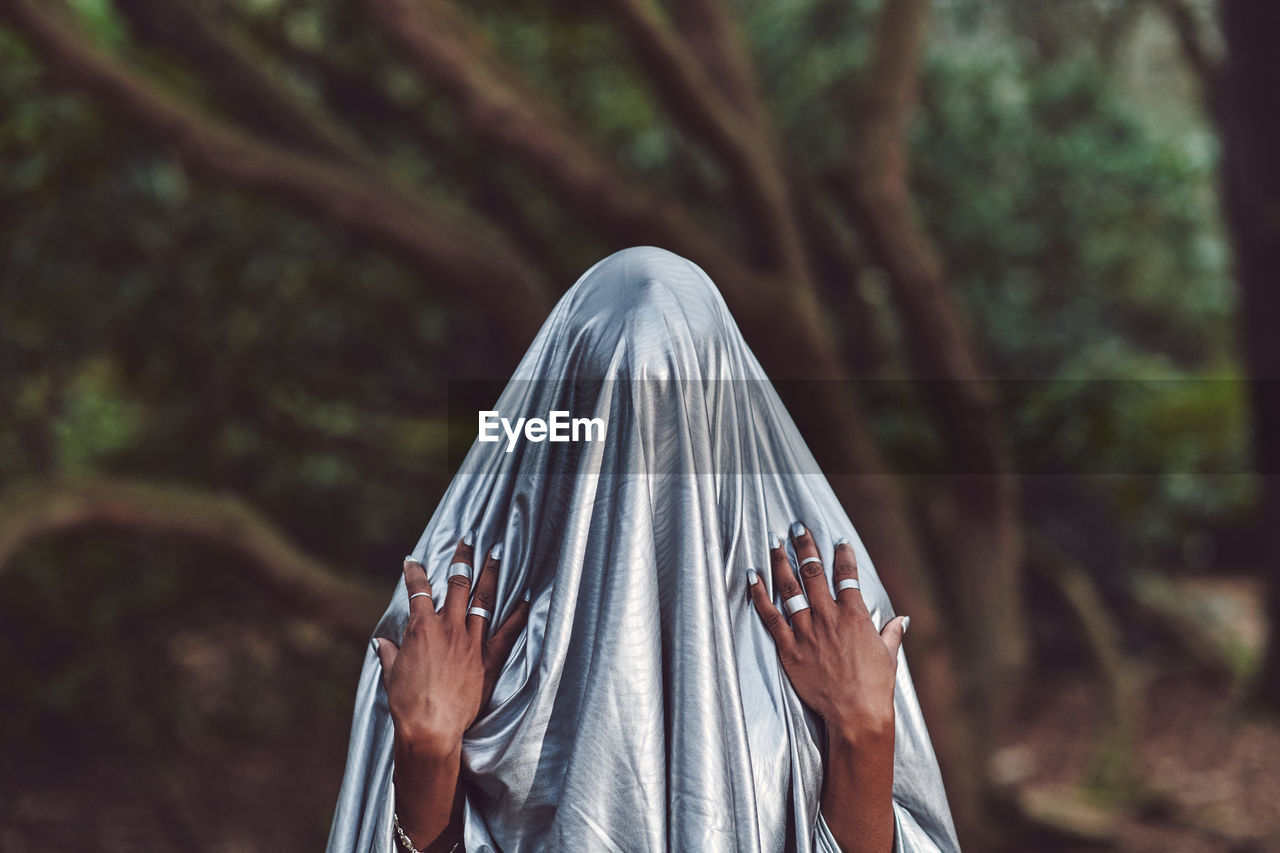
x=838, y=663
x=441, y=677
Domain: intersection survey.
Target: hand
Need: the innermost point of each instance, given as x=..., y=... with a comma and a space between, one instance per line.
x=442, y=676
x=838, y=663
x=437, y=682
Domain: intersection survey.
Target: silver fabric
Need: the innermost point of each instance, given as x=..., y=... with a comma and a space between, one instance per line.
x=644, y=708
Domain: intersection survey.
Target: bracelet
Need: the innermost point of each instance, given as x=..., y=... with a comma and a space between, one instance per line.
x=404, y=839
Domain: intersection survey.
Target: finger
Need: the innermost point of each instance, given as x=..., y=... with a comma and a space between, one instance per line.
x=460, y=574
x=844, y=570
x=773, y=620
x=387, y=652
x=485, y=594
x=787, y=587
x=812, y=573
x=415, y=582
x=892, y=633
x=503, y=638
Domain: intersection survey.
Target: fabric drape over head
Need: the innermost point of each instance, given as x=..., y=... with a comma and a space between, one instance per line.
x=644, y=708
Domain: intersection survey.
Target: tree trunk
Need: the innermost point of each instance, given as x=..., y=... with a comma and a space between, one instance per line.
x=1248, y=112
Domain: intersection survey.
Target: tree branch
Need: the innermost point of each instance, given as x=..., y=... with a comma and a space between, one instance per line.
x=694, y=99
x=876, y=185
x=499, y=108
x=1114, y=772
x=887, y=95
x=34, y=511
x=981, y=534
x=713, y=35
x=453, y=245
x=1188, y=29
x=231, y=69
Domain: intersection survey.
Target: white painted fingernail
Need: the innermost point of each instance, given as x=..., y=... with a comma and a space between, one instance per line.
x=470, y=539
x=374, y=641
x=752, y=577
x=526, y=595
x=774, y=543
x=797, y=530
x=842, y=541
x=412, y=559
x=496, y=552
x=906, y=623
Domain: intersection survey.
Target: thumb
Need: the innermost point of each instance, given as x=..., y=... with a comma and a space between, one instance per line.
x=892, y=634
x=387, y=652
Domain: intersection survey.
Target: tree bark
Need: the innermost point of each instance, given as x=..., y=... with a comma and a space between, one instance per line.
x=1249, y=121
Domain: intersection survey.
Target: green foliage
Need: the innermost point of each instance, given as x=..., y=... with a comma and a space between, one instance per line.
x=1089, y=255
x=204, y=335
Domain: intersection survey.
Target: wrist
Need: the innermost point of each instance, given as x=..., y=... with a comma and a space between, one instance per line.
x=863, y=731
x=424, y=744
x=428, y=790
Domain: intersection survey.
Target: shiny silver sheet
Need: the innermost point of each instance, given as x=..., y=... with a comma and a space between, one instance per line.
x=645, y=708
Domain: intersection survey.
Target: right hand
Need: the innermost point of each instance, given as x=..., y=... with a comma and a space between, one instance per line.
x=838, y=663
x=444, y=671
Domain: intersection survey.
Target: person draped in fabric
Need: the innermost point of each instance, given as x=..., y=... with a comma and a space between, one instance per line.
x=607, y=645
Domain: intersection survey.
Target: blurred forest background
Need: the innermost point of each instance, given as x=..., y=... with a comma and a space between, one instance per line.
x=244, y=245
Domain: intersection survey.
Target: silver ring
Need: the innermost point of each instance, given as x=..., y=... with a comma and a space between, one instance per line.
x=807, y=560
x=416, y=594
x=460, y=568
x=481, y=612
x=795, y=604
x=848, y=583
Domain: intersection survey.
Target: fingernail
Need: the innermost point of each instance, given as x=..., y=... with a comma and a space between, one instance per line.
x=774, y=544
x=470, y=539
x=412, y=559
x=752, y=577
x=526, y=595
x=495, y=553
x=906, y=623
x=842, y=541
x=797, y=530
x=374, y=642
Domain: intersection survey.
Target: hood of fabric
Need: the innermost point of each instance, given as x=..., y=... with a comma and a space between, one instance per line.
x=644, y=708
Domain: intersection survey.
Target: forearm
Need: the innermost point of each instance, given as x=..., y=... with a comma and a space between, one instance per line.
x=857, y=792
x=429, y=795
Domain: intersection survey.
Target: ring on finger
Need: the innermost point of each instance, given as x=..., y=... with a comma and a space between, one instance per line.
x=848, y=583
x=796, y=603
x=460, y=568
x=416, y=594
x=481, y=612
x=807, y=560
